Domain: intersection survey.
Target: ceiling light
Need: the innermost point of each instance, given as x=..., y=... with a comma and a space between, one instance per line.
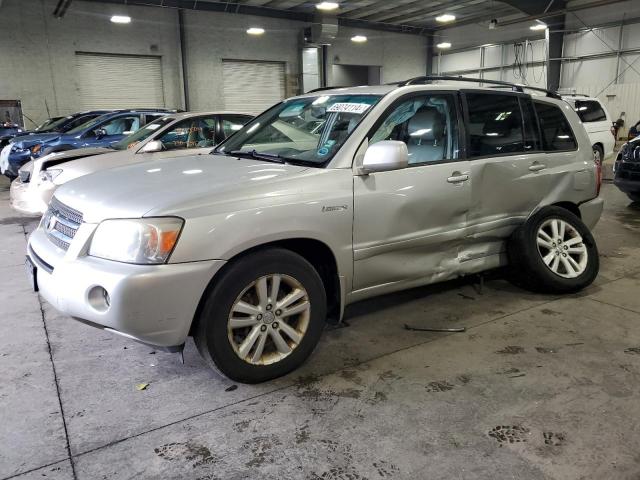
x=445, y=17
x=255, y=31
x=327, y=6
x=538, y=26
x=444, y=45
x=121, y=19
x=359, y=38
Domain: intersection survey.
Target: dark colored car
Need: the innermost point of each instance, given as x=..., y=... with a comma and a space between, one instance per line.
x=8, y=131
x=100, y=131
x=634, y=131
x=627, y=169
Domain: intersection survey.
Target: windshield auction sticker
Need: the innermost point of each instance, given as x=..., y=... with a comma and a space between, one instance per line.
x=358, y=108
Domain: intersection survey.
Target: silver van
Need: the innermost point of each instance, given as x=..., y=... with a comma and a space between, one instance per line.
x=325, y=199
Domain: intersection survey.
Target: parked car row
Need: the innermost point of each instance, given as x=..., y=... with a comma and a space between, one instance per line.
x=98, y=128
x=325, y=199
x=169, y=135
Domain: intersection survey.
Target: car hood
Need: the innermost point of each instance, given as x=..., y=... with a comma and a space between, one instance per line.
x=25, y=141
x=109, y=158
x=162, y=187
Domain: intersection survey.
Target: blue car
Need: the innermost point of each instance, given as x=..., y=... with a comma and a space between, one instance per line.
x=101, y=131
x=52, y=126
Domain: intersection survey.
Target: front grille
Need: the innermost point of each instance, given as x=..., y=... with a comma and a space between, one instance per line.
x=61, y=223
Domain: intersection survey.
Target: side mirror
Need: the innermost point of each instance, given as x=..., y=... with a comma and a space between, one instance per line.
x=99, y=133
x=384, y=156
x=152, y=146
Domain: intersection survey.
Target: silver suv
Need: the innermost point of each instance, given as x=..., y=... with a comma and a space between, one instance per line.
x=323, y=200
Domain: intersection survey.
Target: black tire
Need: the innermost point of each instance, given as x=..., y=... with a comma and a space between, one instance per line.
x=634, y=197
x=597, y=149
x=211, y=334
x=526, y=262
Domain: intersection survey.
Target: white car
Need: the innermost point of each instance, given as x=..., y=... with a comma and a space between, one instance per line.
x=597, y=122
x=174, y=135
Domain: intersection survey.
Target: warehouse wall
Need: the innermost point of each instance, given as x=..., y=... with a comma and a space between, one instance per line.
x=37, y=58
x=37, y=63
x=212, y=37
x=400, y=56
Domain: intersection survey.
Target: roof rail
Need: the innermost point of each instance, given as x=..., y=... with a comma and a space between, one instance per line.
x=514, y=86
x=320, y=89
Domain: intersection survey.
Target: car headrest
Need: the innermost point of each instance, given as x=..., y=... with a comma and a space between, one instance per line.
x=426, y=124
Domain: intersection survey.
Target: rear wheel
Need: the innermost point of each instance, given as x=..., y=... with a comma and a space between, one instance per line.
x=598, y=154
x=554, y=252
x=263, y=317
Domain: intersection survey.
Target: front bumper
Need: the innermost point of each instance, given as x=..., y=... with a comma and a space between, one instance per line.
x=626, y=185
x=591, y=211
x=30, y=198
x=154, y=304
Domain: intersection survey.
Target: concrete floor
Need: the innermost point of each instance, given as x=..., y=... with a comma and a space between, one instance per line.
x=537, y=387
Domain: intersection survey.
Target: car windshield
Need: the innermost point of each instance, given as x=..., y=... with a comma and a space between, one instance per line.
x=141, y=134
x=53, y=126
x=308, y=130
x=94, y=122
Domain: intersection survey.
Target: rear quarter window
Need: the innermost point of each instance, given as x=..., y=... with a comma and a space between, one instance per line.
x=556, y=131
x=590, y=111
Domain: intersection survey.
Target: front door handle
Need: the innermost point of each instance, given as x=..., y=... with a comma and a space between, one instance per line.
x=457, y=177
x=536, y=167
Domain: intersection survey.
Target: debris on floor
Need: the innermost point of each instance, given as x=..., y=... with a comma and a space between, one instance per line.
x=142, y=386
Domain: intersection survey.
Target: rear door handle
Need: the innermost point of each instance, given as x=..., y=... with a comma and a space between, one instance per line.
x=536, y=167
x=458, y=177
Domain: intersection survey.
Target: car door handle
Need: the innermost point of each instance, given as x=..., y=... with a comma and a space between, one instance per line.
x=536, y=167
x=458, y=177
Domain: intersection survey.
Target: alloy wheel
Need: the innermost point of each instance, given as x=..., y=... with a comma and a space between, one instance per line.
x=269, y=319
x=562, y=248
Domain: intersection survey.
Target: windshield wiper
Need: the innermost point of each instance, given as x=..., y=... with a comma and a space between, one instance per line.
x=269, y=157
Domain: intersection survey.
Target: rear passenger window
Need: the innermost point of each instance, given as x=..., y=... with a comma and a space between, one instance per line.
x=495, y=125
x=556, y=131
x=427, y=124
x=590, y=111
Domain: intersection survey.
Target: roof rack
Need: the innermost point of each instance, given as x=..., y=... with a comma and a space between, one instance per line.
x=320, y=89
x=514, y=86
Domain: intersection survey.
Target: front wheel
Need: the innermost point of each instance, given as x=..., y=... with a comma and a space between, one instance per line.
x=554, y=252
x=263, y=317
x=634, y=197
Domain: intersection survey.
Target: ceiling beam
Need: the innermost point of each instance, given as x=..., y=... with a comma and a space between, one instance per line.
x=551, y=13
x=244, y=9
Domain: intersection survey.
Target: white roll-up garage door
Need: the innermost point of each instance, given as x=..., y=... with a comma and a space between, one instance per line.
x=119, y=81
x=252, y=87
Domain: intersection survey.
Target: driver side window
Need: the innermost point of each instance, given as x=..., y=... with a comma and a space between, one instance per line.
x=190, y=133
x=427, y=124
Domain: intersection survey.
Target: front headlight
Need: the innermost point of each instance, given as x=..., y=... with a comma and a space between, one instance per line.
x=50, y=174
x=141, y=241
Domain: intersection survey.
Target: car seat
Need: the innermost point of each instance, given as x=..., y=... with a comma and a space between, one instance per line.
x=426, y=130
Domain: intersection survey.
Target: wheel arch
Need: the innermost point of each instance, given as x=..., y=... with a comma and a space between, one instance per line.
x=570, y=206
x=316, y=252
